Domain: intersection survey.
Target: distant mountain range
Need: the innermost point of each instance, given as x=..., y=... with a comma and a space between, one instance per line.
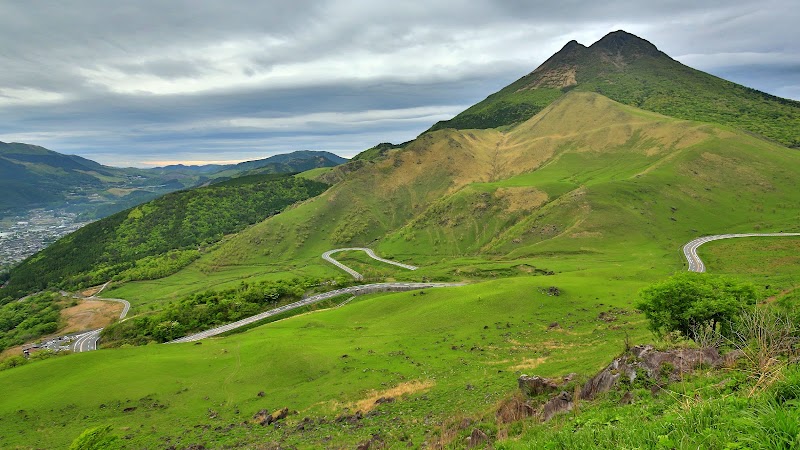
x=33, y=176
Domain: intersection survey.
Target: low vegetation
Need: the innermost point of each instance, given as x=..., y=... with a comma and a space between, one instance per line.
x=31, y=318
x=203, y=311
x=695, y=303
x=712, y=410
x=751, y=402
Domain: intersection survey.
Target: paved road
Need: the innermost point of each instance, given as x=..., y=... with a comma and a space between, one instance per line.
x=353, y=290
x=87, y=341
x=690, y=249
x=327, y=257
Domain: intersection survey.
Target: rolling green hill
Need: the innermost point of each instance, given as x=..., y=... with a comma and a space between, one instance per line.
x=584, y=194
x=157, y=238
x=564, y=182
x=631, y=70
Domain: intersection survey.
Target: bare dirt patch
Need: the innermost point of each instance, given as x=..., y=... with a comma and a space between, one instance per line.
x=11, y=351
x=410, y=387
x=521, y=198
x=89, y=315
x=529, y=363
x=556, y=78
x=91, y=291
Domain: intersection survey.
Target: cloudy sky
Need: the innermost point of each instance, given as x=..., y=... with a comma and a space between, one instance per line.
x=152, y=82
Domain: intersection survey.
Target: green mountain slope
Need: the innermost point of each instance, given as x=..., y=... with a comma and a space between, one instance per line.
x=633, y=71
x=159, y=237
x=585, y=178
x=590, y=196
x=31, y=175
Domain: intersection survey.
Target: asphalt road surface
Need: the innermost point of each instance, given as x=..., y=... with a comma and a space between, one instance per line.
x=353, y=290
x=87, y=341
x=327, y=257
x=690, y=249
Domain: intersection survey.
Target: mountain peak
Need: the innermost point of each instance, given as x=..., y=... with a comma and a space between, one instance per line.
x=559, y=70
x=613, y=52
x=625, y=44
x=631, y=70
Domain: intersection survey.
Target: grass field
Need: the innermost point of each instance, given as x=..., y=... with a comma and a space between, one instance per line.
x=591, y=197
x=586, y=177
x=483, y=335
x=769, y=262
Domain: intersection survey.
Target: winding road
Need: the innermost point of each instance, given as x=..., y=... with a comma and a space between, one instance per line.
x=87, y=341
x=690, y=249
x=353, y=290
x=327, y=257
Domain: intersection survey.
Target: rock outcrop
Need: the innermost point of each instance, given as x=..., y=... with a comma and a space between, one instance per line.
x=644, y=360
x=643, y=363
x=536, y=385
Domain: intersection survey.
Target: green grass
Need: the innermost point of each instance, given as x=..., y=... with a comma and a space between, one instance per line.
x=602, y=195
x=313, y=174
x=771, y=262
x=712, y=410
x=370, y=268
x=154, y=294
x=475, y=335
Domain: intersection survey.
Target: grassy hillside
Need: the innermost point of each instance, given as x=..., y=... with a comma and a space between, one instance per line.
x=591, y=197
x=158, y=238
x=727, y=408
x=323, y=365
x=587, y=176
x=447, y=350
x=634, y=72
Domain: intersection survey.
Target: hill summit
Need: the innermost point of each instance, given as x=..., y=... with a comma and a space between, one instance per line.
x=633, y=71
x=611, y=53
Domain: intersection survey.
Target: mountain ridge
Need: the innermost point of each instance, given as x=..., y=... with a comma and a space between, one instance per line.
x=632, y=71
x=34, y=176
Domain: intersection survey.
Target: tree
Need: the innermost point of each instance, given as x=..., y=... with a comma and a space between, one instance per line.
x=690, y=301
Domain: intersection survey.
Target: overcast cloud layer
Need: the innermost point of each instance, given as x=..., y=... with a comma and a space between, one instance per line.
x=151, y=82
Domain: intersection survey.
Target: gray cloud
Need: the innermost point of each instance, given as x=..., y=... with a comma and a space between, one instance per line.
x=128, y=83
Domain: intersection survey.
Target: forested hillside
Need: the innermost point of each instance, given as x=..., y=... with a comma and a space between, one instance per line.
x=158, y=238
